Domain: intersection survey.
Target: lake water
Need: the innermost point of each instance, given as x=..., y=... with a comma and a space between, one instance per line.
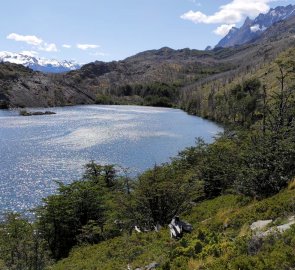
x=36, y=151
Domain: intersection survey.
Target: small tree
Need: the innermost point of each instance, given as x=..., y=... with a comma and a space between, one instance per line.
x=78, y=210
x=162, y=193
x=22, y=245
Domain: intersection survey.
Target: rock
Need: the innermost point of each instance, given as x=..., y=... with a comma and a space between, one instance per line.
x=178, y=227
x=157, y=227
x=147, y=228
x=137, y=229
x=255, y=244
x=151, y=266
x=260, y=224
x=49, y=112
x=26, y=113
x=286, y=226
x=187, y=227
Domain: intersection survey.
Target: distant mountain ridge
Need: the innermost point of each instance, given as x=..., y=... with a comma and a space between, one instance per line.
x=136, y=78
x=253, y=29
x=39, y=64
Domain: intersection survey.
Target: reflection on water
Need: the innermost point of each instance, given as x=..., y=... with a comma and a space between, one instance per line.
x=37, y=151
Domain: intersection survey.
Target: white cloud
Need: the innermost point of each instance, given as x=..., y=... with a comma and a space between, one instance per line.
x=37, y=42
x=67, y=46
x=51, y=47
x=32, y=40
x=30, y=53
x=223, y=29
x=87, y=46
x=231, y=13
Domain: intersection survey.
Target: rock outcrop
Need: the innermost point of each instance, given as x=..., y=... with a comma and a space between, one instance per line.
x=259, y=227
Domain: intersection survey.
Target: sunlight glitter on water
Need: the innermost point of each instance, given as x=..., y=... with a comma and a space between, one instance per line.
x=37, y=151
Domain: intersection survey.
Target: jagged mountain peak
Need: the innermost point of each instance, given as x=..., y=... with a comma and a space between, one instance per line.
x=233, y=30
x=37, y=63
x=248, y=21
x=252, y=29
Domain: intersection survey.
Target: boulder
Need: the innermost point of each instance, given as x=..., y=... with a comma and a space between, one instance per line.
x=260, y=224
x=151, y=266
x=286, y=226
x=178, y=227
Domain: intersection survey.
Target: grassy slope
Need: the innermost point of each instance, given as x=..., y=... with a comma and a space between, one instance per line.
x=221, y=239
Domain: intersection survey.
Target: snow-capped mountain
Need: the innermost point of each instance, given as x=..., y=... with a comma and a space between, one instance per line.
x=39, y=64
x=252, y=29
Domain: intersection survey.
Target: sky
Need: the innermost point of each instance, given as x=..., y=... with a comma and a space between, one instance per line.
x=106, y=30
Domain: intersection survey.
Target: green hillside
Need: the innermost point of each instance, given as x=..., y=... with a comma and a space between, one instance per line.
x=221, y=239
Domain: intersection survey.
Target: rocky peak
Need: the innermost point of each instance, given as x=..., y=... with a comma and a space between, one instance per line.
x=252, y=29
x=247, y=22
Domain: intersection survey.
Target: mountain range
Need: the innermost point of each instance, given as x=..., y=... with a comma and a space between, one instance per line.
x=250, y=31
x=134, y=78
x=253, y=29
x=39, y=64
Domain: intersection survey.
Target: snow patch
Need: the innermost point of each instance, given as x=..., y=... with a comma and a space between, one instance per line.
x=255, y=28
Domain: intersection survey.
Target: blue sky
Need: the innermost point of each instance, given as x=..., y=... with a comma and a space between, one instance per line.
x=88, y=30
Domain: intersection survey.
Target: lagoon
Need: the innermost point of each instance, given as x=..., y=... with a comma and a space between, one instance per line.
x=37, y=151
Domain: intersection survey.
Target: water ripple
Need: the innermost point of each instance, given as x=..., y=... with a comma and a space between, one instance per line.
x=37, y=151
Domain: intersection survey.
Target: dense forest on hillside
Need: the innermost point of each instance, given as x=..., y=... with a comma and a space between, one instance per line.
x=220, y=188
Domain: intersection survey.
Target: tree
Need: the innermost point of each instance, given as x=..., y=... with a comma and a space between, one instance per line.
x=78, y=208
x=161, y=193
x=269, y=157
x=105, y=174
x=243, y=101
x=220, y=165
x=268, y=164
x=22, y=245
